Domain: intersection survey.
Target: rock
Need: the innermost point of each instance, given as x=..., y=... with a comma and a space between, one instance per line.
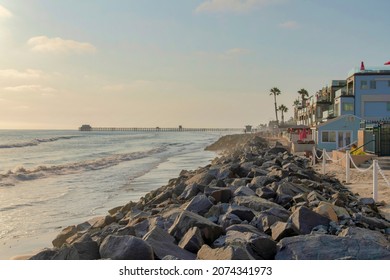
x=243, y=191
x=190, y=191
x=265, y=192
x=244, y=228
x=362, y=233
x=203, y=178
x=326, y=210
x=281, y=230
x=369, y=201
x=222, y=195
x=330, y=247
x=228, y=219
x=65, y=234
x=255, y=203
x=200, y=204
x=67, y=252
x=262, y=181
x=276, y=150
x=125, y=248
x=187, y=220
x=192, y=241
x=226, y=253
x=46, y=254
x=372, y=222
x=261, y=246
x=244, y=213
x=163, y=245
x=315, y=196
x=304, y=220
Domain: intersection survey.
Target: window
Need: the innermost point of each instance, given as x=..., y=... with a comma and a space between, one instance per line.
x=388, y=106
x=372, y=84
x=388, y=83
x=363, y=85
x=348, y=107
x=329, y=136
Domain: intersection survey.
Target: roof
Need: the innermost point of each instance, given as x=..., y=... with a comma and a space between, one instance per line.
x=353, y=118
x=371, y=70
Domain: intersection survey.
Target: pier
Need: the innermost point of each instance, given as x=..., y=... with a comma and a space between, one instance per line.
x=86, y=127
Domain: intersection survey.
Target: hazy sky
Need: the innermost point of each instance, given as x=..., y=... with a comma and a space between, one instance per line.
x=196, y=63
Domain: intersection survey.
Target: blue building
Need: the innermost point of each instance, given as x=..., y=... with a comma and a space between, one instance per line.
x=364, y=95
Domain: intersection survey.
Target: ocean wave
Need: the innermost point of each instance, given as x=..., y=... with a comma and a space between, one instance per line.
x=43, y=171
x=36, y=142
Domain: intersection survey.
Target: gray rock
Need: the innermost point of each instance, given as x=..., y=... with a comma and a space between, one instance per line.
x=243, y=191
x=255, y=203
x=372, y=222
x=330, y=247
x=265, y=192
x=67, y=252
x=46, y=254
x=367, y=234
x=125, y=248
x=244, y=213
x=203, y=178
x=226, y=253
x=261, y=245
x=281, y=230
x=304, y=220
x=228, y=219
x=164, y=245
x=222, y=195
x=187, y=220
x=261, y=181
x=190, y=191
x=192, y=241
x=244, y=228
x=65, y=234
x=200, y=204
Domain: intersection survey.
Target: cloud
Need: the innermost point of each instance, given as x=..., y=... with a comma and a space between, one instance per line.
x=289, y=25
x=16, y=74
x=4, y=13
x=59, y=45
x=231, y=6
x=31, y=88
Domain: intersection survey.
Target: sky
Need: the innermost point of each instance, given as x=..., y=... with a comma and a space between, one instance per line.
x=195, y=63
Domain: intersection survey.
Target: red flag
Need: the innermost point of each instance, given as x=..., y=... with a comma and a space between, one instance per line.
x=387, y=63
x=362, y=66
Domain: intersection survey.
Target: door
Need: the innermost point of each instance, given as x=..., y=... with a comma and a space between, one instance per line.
x=343, y=139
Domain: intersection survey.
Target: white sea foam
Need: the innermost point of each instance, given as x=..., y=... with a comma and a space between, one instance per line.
x=35, y=142
x=21, y=173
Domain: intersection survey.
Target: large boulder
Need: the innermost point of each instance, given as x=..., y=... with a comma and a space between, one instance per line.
x=330, y=247
x=260, y=245
x=186, y=220
x=367, y=234
x=192, y=241
x=125, y=248
x=200, y=204
x=304, y=220
x=64, y=235
x=225, y=253
x=164, y=245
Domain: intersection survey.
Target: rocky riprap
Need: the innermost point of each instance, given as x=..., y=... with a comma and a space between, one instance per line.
x=254, y=202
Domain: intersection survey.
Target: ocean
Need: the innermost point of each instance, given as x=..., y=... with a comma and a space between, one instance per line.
x=53, y=179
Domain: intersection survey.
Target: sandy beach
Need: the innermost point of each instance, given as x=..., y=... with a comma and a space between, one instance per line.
x=361, y=184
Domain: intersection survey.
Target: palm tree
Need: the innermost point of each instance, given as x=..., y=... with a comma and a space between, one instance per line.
x=275, y=91
x=282, y=109
x=296, y=103
x=303, y=93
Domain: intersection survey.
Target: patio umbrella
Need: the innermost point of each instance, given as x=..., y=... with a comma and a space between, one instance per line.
x=387, y=63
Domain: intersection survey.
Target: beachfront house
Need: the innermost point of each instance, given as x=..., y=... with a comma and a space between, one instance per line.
x=335, y=112
x=337, y=133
